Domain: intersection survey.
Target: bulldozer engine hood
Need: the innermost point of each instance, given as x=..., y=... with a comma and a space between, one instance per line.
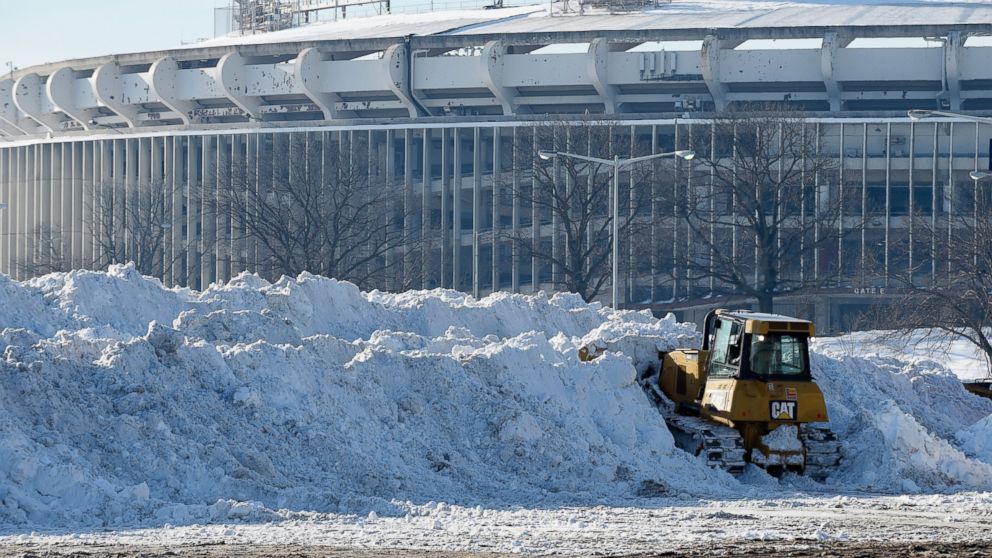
x=733, y=401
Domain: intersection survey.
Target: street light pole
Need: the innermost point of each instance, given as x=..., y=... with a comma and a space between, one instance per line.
x=616, y=231
x=617, y=163
x=917, y=115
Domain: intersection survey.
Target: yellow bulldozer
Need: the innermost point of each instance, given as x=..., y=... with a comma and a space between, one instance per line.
x=746, y=396
x=981, y=387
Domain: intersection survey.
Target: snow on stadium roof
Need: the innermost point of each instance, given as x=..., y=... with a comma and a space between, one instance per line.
x=679, y=15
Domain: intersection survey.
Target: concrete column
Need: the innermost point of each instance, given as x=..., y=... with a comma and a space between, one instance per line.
x=31, y=231
x=950, y=191
x=388, y=155
x=85, y=230
x=195, y=153
x=163, y=177
x=180, y=235
x=407, y=277
x=555, y=227
x=535, y=223
x=61, y=90
x=232, y=78
x=225, y=167
x=253, y=168
x=31, y=98
x=239, y=177
x=208, y=222
x=709, y=64
x=9, y=116
x=445, y=207
x=828, y=55
x=427, y=204
x=65, y=202
x=119, y=212
x=105, y=197
x=492, y=58
x=476, y=211
x=78, y=166
x=17, y=214
x=936, y=209
x=596, y=69
x=456, y=212
x=164, y=81
x=953, y=46
x=395, y=66
x=840, y=206
x=44, y=206
x=166, y=217
x=4, y=198
x=888, y=196
x=54, y=208
x=108, y=86
x=515, y=215
x=864, y=192
x=131, y=185
x=308, y=74
x=653, y=241
x=497, y=210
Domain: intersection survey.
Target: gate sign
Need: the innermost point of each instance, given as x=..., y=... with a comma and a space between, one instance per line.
x=784, y=410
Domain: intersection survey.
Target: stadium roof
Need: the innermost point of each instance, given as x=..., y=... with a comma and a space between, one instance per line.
x=698, y=15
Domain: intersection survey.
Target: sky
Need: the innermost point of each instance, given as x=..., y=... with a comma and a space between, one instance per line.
x=38, y=31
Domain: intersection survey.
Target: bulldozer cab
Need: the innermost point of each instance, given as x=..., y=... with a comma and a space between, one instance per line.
x=749, y=346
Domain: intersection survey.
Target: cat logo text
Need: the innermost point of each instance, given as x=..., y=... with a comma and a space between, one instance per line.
x=784, y=410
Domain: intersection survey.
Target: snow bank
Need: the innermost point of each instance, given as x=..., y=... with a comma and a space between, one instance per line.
x=122, y=402
x=898, y=420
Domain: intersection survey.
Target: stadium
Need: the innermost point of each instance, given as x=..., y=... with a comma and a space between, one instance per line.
x=95, y=152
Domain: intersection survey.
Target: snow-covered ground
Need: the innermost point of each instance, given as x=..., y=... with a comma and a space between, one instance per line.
x=307, y=411
x=962, y=358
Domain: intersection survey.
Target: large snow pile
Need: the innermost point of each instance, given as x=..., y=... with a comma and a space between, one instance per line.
x=122, y=402
x=125, y=403
x=899, y=420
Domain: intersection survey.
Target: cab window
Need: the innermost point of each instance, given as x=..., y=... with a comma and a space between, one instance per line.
x=778, y=354
x=725, y=358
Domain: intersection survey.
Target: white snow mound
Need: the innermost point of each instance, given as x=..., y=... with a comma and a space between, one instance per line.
x=122, y=402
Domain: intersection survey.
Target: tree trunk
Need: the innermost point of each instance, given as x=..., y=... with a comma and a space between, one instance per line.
x=766, y=303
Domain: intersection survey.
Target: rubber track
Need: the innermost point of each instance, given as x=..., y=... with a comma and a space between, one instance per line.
x=721, y=446
x=822, y=450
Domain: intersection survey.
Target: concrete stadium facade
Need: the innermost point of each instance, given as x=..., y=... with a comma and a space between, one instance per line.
x=437, y=115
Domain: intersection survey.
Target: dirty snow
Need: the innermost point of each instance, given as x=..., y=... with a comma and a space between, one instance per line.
x=375, y=418
x=783, y=438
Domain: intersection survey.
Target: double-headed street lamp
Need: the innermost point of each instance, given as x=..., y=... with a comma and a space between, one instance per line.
x=617, y=163
x=917, y=115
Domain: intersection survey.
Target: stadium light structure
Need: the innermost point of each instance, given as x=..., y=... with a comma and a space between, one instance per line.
x=617, y=163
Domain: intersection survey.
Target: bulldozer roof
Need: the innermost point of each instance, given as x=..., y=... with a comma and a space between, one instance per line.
x=758, y=322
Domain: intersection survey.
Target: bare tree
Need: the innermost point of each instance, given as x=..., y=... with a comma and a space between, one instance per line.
x=573, y=197
x=122, y=224
x=760, y=208
x=951, y=299
x=315, y=206
x=49, y=254
x=133, y=225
